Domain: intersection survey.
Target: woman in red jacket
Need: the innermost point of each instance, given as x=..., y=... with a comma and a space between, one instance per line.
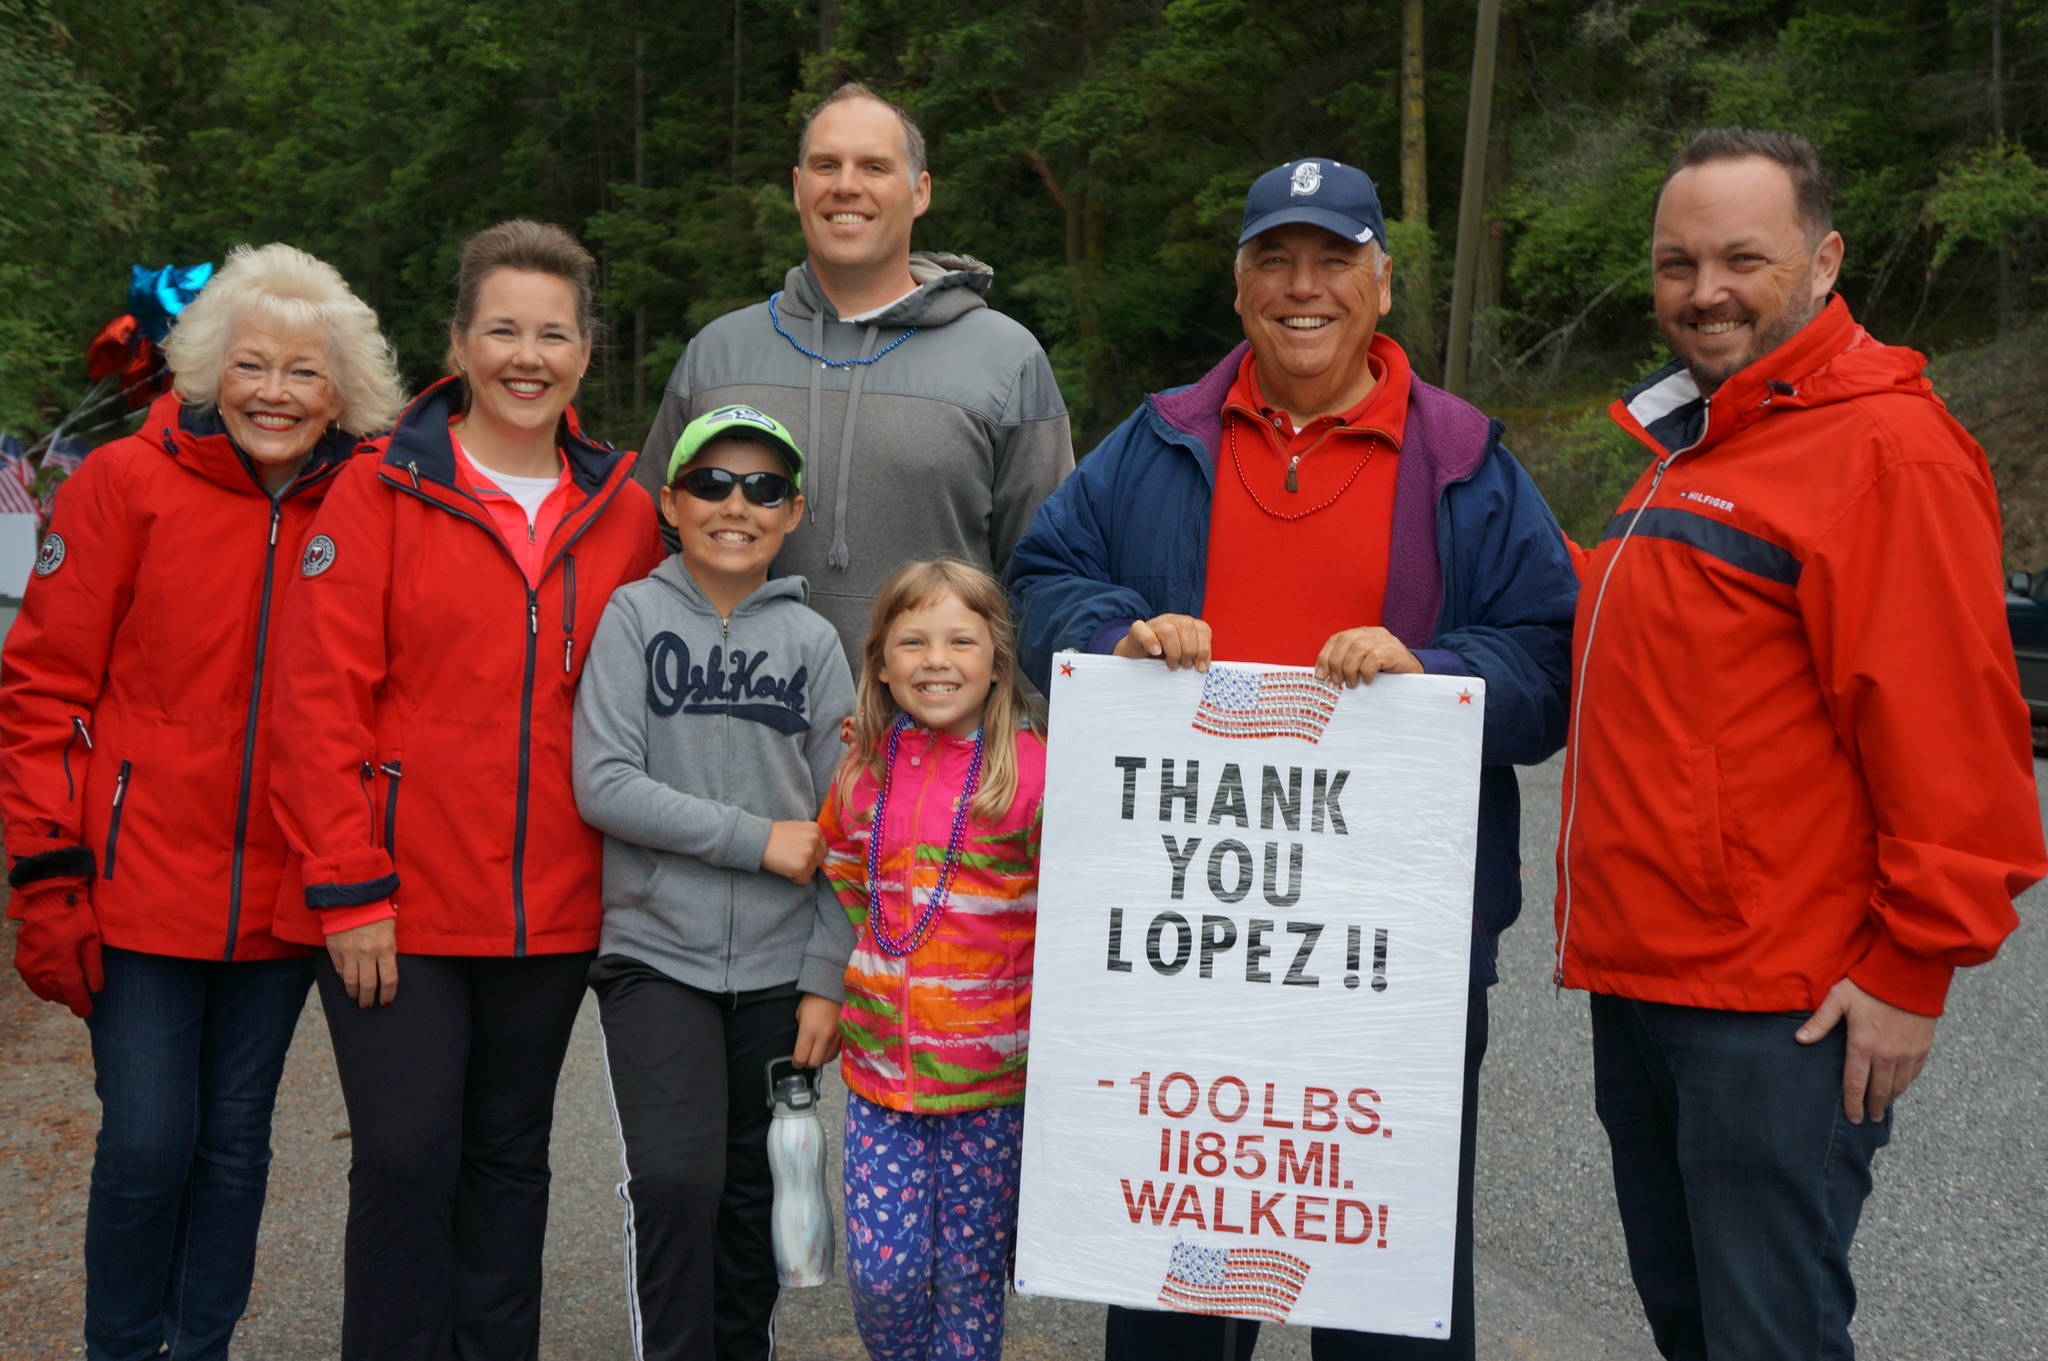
x=132, y=780
x=433, y=642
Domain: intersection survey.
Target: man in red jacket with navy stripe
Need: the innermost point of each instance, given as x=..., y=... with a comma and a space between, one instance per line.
x=1798, y=791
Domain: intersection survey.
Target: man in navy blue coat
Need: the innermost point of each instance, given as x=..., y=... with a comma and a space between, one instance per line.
x=1310, y=502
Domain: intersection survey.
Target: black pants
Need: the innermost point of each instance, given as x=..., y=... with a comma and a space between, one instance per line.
x=1158, y=1335
x=689, y=1089
x=451, y=1096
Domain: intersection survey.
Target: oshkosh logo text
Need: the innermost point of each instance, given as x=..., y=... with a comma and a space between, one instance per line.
x=735, y=683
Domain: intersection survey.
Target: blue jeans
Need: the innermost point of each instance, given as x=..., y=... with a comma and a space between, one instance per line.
x=186, y=1057
x=1739, y=1179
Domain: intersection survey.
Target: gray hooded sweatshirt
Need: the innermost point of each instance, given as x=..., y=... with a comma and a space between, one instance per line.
x=944, y=446
x=693, y=735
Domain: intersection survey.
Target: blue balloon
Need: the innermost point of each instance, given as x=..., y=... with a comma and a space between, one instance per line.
x=156, y=296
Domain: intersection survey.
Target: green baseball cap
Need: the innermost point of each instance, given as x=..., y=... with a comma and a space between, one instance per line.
x=744, y=422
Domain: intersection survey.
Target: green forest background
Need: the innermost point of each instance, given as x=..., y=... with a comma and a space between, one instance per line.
x=1095, y=152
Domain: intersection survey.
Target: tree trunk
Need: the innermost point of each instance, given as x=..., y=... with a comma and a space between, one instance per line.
x=828, y=25
x=640, y=182
x=1414, y=160
x=1493, y=244
x=732, y=160
x=1998, y=131
x=1416, y=276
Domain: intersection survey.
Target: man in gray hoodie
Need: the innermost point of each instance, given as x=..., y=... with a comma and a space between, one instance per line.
x=933, y=423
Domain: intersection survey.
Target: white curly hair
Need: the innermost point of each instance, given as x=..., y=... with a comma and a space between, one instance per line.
x=284, y=288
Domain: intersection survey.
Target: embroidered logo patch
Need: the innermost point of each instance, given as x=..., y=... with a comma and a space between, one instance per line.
x=1307, y=178
x=743, y=413
x=51, y=555
x=319, y=556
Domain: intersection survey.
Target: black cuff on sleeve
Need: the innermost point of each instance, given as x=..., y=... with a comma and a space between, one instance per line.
x=66, y=862
x=319, y=896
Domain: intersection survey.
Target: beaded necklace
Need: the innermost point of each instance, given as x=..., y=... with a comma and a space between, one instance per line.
x=874, y=358
x=1230, y=428
x=935, y=906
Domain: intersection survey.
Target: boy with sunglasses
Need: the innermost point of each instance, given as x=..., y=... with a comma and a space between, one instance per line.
x=707, y=732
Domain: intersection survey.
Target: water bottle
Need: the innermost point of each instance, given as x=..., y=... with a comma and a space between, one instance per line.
x=802, y=1217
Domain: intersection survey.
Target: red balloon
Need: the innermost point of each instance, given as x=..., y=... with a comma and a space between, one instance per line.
x=120, y=348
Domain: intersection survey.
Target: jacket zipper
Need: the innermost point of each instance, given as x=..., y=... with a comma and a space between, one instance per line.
x=525, y=774
x=525, y=685
x=1564, y=859
x=929, y=764
x=78, y=734
x=114, y=824
x=249, y=733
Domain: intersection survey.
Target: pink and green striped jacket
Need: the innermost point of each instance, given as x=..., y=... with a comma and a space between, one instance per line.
x=944, y=1028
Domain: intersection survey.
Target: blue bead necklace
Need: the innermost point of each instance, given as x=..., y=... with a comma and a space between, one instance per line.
x=876, y=358
x=935, y=906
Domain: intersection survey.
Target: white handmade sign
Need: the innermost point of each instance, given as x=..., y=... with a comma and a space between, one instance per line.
x=1248, y=1021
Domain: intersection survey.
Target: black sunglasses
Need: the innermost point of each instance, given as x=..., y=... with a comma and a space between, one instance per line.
x=715, y=484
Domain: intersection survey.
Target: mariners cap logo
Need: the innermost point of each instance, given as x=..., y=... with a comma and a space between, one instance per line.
x=1308, y=177
x=51, y=555
x=319, y=556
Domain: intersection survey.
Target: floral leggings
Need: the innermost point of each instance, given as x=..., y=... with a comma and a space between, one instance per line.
x=931, y=1209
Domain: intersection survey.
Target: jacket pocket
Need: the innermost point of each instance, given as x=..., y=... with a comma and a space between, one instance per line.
x=392, y=771
x=1728, y=881
x=387, y=836
x=114, y=823
x=79, y=736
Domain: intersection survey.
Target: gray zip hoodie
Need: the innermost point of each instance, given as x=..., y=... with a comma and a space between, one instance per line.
x=693, y=735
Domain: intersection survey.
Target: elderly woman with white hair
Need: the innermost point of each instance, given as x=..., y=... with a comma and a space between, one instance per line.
x=133, y=780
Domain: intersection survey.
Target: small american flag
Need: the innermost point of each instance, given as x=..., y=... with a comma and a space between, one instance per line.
x=1248, y=1282
x=17, y=482
x=1238, y=701
x=65, y=455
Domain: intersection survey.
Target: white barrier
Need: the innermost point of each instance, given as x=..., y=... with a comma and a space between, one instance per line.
x=18, y=543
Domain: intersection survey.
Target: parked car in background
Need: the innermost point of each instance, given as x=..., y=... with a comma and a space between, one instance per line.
x=2026, y=610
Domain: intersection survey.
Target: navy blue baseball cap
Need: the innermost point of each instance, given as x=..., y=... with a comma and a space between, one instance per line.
x=1321, y=192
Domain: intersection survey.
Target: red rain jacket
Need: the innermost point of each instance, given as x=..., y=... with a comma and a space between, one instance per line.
x=135, y=681
x=1798, y=750
x=423, y=728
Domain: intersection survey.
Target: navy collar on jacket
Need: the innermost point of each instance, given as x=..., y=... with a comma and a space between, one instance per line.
x=420, y=442
x=202, y=442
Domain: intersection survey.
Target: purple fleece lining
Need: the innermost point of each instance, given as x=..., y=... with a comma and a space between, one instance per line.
x=1446, y=440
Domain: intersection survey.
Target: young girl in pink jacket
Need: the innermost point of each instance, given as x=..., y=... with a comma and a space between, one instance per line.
x=932, y=835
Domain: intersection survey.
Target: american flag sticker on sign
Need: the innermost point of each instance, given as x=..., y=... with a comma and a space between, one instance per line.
x=1239, y=701
x=1248, y=1282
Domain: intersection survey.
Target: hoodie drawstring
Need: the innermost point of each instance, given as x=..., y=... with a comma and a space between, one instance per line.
x=817, y=392
x=842, y=555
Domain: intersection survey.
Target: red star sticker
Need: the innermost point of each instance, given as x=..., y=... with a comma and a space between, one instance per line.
x=1066, y=668
x=1464, y=697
